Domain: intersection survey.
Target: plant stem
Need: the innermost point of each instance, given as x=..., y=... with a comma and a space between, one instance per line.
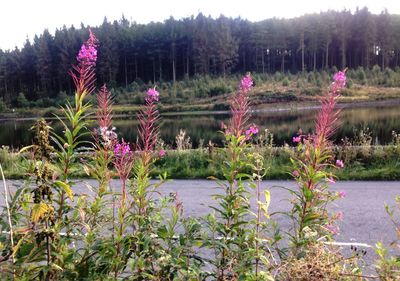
x=258, y=227
x=8, y=217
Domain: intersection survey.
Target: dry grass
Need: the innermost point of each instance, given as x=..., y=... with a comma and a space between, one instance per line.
x=319, y=263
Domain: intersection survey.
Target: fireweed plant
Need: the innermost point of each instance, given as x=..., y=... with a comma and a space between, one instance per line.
x=155, y=250
x=313, y=164
x=139, y=235
x=41, y=208
x=126, y=230
x=233, y=238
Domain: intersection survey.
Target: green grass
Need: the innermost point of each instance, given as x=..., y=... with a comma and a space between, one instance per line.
x=371, y=163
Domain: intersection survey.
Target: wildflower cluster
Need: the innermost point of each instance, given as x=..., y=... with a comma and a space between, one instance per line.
x=88, y=53
x=297, y=139
x=152, y=95
x=246, y=83
x=252, y=131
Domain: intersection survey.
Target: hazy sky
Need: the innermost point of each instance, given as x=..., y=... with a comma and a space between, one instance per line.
x=25, y=18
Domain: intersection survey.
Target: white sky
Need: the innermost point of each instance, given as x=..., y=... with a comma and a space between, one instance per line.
x=20, y=19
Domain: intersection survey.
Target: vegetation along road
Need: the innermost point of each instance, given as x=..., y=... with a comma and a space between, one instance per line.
x=364, y=218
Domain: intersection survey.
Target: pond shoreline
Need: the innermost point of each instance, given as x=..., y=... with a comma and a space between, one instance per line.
x=261, y=108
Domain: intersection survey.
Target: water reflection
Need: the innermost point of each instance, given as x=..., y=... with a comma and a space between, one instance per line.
x=380, y=120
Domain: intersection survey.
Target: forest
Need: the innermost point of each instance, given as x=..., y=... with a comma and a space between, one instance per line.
x=199, y=45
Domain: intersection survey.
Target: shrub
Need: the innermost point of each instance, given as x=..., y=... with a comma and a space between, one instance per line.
x=22, y=101
x=361, y=76
x=285, y=82
x=3, y=105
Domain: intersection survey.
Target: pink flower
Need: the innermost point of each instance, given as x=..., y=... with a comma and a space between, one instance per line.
x=340, y=79
x=342, y=194
x=88, y=52
x=123, y=162
x=295, y=173
x=87, y=55
x=339, y=215
x=333, y=229
x=122, y=149
x=246, y=83
x=162, y=153
x=339, y=164
x=253, y=130
x=296, y=139
x=152, y=95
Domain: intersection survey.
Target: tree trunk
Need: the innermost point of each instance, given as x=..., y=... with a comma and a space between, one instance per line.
x=314, y=60
x=262, y=59
x=256, y=57
x=173, y=71
x=302, y=51
x=244, y=61
x=136, y=68
x=160, y=66
x=173, y=63
x=326, y=55
x=126, y=73
x=154, y=70
x=187, y=63
x=343, y=53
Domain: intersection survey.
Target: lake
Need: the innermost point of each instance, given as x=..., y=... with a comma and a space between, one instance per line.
x=381, y=121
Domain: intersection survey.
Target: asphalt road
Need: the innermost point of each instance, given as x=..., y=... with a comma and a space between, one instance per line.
x=365, y=220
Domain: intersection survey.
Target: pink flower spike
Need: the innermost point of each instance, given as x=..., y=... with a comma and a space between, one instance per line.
x=295, y=173
x=342, y=194
x=339, y=164
x=340, y=79
x=246, y=83
x=162, y=153
x=296, y=139
x=152, y=95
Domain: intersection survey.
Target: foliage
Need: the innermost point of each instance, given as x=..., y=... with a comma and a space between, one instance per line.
x=388, y=266
x=173, y=50
x=22, y=101
x=132, y=232
x=311, y=162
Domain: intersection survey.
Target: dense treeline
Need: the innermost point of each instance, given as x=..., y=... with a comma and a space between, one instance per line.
x=177, y=49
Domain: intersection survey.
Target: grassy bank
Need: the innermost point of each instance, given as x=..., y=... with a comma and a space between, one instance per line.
x=361, y=163
x=207, y=93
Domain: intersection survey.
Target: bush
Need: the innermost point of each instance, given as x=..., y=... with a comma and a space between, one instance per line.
x=285, y=82
x=3, y=105
x=361, y=76
x=22, y=101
